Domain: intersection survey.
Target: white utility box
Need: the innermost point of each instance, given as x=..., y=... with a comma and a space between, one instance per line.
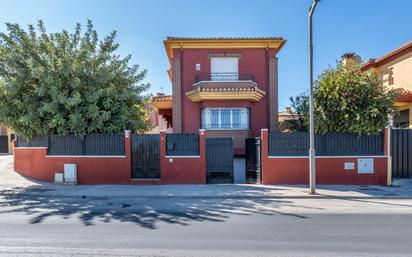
x=70, y=173
x=365, y=166
x=58, y=178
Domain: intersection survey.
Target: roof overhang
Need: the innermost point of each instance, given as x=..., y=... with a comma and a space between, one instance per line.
x=374, y=63
x=172, y=43
x=163, y=102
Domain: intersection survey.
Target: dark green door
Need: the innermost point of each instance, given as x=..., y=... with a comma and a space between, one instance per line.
x=219, y=160
x=146, y=156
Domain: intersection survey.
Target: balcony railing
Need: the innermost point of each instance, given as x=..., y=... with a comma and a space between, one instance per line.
x=224, y=77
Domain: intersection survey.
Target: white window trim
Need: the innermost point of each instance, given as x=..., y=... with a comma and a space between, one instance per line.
x=206, y=118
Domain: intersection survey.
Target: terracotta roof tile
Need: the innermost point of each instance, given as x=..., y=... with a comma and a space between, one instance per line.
x=224, y=38
x=163, y=98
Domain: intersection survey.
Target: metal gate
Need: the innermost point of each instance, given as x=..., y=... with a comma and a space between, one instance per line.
x=253, y=160
x=219, y=160
x=4, y=144
x=146, y=156
x=401, y=152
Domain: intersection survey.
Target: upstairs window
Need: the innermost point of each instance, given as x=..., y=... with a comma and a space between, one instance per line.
x=224, y=68
x=225, y=118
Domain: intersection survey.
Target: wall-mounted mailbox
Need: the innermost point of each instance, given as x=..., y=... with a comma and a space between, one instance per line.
x=349, y=165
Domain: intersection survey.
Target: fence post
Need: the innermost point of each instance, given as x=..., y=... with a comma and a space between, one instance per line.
x=264, y=138
x=162, y=153
x=128, y=150
x=127, y=142
x=202, y=153
x=387, y=152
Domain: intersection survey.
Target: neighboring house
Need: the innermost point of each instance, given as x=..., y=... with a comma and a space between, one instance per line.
x=160, y=113
x=395, y=70
x=287, y=119
x=287, y=115
x=227, y=86
x=6, y=138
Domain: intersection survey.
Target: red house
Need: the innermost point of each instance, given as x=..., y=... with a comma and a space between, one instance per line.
x=227, y=86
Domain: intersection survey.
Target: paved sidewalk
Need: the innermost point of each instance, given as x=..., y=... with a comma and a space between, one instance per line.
x=13, y=183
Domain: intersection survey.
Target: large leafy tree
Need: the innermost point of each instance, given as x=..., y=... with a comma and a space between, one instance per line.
x=68, y=83
x=347, y=100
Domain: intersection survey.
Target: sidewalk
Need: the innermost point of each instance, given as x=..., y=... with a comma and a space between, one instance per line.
x=13, y=183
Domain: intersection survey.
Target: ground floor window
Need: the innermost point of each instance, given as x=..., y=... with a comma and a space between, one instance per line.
x=225, y=118
x=401, y=120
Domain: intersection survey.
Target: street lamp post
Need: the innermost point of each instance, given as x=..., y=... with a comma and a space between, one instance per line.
x=312, y=170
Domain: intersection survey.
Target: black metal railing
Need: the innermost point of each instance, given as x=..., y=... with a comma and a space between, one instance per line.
x=331, y=144
x=93, y=144
x=182, y=144
x=224, y=77
x=36, y=141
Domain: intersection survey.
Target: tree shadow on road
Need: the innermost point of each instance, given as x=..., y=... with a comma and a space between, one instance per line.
x=144, y=211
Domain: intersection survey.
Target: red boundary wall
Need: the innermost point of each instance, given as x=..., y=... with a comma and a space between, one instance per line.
x=34, y=162
x=329, y=170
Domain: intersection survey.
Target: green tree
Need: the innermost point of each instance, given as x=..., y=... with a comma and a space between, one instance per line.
x=347, y=100
x=300, y=104
x=68, y=83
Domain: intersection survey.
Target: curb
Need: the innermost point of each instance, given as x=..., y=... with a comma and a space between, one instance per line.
x=108, y=197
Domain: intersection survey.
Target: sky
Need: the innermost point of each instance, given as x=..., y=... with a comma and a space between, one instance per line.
x=370, y=28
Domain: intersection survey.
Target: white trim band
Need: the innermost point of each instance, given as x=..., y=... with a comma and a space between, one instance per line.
x=86, y=156
x=30, y=147
x=330, y=157
x=225, y=81
x=182, y=156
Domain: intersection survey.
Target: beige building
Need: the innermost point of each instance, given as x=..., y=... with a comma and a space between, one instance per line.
x=287, y=115
x=395, y=70
x=287, y=119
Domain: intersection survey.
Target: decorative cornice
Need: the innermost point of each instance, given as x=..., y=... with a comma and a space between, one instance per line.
x=221, y=43
x=204, y=94
x=163, y=105
x=163, y=102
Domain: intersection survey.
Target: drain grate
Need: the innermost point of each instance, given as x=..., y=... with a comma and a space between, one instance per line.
x=371, y=189
x=41, y=190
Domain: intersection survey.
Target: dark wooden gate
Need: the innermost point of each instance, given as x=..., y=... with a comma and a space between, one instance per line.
x=4, y=144
x=253, y=160
x=401, y=152
x=146, y=156
x=219, y=160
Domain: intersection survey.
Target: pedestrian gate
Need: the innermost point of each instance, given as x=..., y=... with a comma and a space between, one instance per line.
x=146, y=156
x=253, y=160
x=401, y=152
x=219, y=160
x=4, y=144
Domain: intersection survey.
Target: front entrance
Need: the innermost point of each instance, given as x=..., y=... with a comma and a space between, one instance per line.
x=219, y=160
x=146, y=156
x=4, y=144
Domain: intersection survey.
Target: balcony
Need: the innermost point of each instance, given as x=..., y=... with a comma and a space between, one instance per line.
x=225, y=86
x=224, y=77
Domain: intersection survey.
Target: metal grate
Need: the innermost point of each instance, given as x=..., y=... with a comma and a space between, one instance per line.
x=182, y=144
x=332, y=144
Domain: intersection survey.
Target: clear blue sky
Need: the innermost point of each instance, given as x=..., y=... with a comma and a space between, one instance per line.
x=368, y=27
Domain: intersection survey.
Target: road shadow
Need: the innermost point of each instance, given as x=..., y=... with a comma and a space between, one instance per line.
x=146, y=212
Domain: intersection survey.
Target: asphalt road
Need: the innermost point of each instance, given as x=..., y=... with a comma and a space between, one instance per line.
x=204, y=227
x=179, y=226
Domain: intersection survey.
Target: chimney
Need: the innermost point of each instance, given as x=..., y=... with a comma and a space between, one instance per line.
x=350, y=59
x=288, y=109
